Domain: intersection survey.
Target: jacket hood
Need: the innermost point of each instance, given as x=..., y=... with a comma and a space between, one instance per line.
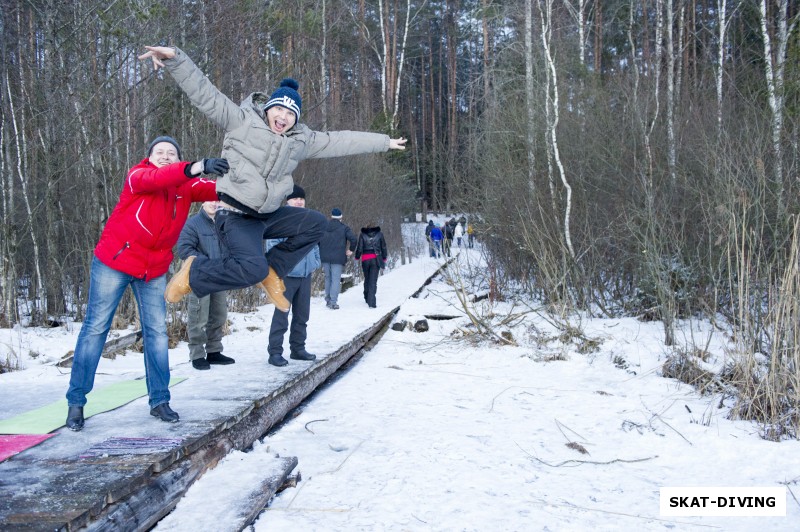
x=371, y=231
x=257, y=101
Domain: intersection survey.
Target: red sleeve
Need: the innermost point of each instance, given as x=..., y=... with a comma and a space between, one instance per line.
x=202, y=189
x=145, y=177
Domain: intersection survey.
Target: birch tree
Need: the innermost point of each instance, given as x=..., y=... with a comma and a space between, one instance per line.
x=391, y=54
x=530, y=98
x=546, y=21
x=671, y=51
x=774, y=66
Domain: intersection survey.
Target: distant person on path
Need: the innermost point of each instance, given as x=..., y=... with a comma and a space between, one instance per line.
x=337, y=244
x=470, y=235
x=371, y=251
x=449, y=232
x=264, y=142
x=458, y=233
x=298, y=292
x=428, y=229
x=135, y=249
x=436, y=238
x=206, y=315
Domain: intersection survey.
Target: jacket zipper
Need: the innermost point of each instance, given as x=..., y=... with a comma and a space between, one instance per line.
x=126, y=246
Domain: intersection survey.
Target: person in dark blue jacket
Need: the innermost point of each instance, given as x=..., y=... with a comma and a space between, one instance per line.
x=207, y=314
x=298, y=292
x=436, y=239
x=333, y=252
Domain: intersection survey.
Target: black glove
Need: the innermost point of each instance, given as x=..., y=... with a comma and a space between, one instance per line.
x=215, y=166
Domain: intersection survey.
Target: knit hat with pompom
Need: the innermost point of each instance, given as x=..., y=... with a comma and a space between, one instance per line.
x=287, y=96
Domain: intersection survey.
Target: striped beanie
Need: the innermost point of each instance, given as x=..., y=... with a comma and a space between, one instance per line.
x=287, y=96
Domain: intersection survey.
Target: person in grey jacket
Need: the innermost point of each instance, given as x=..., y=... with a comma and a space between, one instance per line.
x=334, y=251
x=298, y=291
x=206, y=315
x=264, y=142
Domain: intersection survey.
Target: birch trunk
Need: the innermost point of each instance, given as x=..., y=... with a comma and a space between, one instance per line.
x=774, y=70
x=323, y=65
x=39, y=295
x=530, y=98
x=546, y=19
x=722, y=24
x=671, y=149
x=8, y=280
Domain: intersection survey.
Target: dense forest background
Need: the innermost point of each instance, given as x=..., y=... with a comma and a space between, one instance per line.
x=618, y=156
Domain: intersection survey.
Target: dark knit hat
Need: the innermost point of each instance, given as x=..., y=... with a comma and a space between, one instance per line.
x=164, y=138
x=336, y=213
x=297, y=192
x=287, y=96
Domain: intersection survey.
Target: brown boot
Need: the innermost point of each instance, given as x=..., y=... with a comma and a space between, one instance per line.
x=274, y=288
x=178, y=286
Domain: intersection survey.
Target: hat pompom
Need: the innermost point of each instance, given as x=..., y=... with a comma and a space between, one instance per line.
x=291, y=83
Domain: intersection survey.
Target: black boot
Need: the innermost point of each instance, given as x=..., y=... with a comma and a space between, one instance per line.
x=277, y=360
x=200, y=363
x=165, y=413
x=302, y=355
x=219, y=358
x=75, y=418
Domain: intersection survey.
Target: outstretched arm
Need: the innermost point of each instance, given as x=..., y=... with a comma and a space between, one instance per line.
x=202, y=93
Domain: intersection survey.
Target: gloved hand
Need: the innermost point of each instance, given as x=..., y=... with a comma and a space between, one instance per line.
x=215, y=166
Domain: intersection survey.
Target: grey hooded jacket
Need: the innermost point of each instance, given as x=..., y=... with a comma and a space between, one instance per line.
x=261, y=161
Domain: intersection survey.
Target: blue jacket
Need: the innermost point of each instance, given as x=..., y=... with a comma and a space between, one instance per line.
x=199, y=237
x=305, y=267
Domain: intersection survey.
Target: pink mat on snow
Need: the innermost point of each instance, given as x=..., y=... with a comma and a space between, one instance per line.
x=11, y=444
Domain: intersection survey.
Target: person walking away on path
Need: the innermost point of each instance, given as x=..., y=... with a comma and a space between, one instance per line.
x=206, y=315
x=470, y=235
x=458, y=233
x=336, y=246
x=449, y=232
x=135, y=249
x=437, y=236
x=428, y=229
x=371, y=251
x=264, y=142
x=298, y=292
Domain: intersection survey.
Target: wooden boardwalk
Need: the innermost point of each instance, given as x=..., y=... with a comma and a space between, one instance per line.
x=119, y=474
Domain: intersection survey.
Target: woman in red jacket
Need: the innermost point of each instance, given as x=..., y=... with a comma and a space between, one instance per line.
x=135, y=249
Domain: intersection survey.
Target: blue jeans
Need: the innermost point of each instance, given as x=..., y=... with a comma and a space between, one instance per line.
x=106, y=287
x=333, y=281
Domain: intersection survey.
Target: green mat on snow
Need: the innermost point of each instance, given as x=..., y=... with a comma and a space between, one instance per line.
x=53, y=416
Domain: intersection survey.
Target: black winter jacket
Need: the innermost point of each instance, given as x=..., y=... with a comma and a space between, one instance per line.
x=371, y=240
x=199, y=237
x=334, y=241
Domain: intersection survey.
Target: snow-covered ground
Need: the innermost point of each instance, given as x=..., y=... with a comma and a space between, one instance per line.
x=446, y=430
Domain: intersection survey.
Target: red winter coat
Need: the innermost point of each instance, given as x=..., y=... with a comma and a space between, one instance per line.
x=147, y=221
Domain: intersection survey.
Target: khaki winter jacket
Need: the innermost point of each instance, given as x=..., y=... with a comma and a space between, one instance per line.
x=261, y=161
